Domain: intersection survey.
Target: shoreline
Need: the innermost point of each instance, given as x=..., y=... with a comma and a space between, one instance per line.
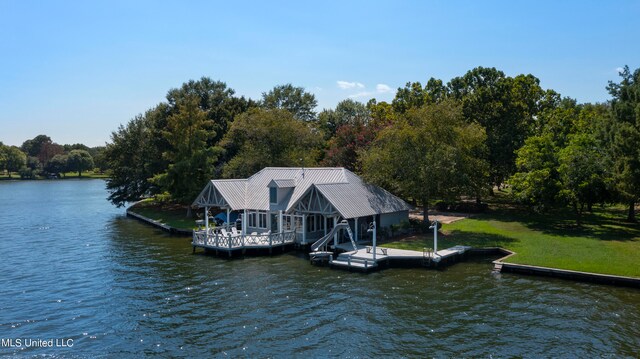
x=499, y=264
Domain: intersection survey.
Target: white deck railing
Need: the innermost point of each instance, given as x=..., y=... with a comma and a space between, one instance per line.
x=217, y=240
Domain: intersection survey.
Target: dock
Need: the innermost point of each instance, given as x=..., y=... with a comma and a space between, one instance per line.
x=363, y=258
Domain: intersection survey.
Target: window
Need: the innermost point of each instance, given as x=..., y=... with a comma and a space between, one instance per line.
x=262, y=218
x=273, y=195
x=252, y=219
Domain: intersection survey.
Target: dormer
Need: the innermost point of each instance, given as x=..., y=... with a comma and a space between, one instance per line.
x=280, y=191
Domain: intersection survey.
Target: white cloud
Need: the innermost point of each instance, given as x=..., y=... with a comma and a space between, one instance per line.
x=361, y=94
x=383, y=88
x=349, y=85
x=619, y=70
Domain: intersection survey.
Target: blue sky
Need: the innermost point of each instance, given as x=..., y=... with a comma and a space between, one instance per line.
x=75, y=70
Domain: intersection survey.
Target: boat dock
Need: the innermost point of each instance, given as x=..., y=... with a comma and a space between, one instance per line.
x=363, y=258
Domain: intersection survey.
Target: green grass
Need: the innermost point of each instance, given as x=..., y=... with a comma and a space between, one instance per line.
x=172, y=215
x=68, y=175
x=603, y=244
x=88, y=174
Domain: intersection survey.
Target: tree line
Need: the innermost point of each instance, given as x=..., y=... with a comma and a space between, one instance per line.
x=41, y=157
x=437, y=141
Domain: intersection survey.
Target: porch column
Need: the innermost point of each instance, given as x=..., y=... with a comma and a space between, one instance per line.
x=228, y=213
x=325, y=224
x=356, y=225
x=244, y=222
x=280, y=223
x=304, y=229
x=206, y=221
x=335, y=236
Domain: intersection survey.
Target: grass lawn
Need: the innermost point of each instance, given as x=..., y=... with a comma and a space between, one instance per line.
x=68, y=175
x=172, y=215
x=603, y=244
x=87, y=174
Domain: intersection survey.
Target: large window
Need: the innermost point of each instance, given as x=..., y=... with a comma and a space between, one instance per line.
x=257, y=219
x=273, y=195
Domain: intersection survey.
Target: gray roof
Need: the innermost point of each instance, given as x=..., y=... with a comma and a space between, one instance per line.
x=283, y=183
x=350, y=196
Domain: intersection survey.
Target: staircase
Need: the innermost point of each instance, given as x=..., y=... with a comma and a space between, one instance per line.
x=348, y=261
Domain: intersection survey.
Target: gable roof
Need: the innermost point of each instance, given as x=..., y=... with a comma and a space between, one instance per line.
x=349, y=195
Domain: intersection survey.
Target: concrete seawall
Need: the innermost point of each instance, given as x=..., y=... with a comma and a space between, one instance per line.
x=164, y=227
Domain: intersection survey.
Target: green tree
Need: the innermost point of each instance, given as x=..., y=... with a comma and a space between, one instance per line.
x=15, y=159
x=625, y=106
x=296, y=100
x=567, y=162
x=260, y=138
x=3, y=157
x=506, y=107
x=584, y=173
x=428, y=153
x=134, y=157
x=79, y=160
x=214, y=98
x=192, y=157
x=347, y=112
x=412, y=95
x=33, y=146
x=58, y=164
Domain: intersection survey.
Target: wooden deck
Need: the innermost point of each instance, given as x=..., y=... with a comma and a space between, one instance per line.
x=230, y=243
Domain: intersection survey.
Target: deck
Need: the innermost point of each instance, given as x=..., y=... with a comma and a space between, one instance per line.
x=362, y=258
x=214, y=240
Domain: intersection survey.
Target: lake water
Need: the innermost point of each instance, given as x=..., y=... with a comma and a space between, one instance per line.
x=74, y=267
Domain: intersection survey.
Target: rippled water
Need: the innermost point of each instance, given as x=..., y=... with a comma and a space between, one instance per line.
x=74, y=267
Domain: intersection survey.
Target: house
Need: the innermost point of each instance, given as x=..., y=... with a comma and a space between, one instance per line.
x=284, y=205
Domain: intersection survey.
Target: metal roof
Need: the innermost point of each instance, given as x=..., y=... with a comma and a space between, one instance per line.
x=344, y=189
x=283, y=183
x=358, y=199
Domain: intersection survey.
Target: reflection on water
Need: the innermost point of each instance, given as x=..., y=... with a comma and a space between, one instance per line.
x=73, y=266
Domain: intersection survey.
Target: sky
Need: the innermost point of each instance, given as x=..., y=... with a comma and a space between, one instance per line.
x=76, y=70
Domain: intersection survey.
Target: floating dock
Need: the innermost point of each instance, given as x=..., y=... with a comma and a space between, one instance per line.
x=363, y=259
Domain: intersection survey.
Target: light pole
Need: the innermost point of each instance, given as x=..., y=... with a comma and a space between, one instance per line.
x=372, y=228
x=434, y=226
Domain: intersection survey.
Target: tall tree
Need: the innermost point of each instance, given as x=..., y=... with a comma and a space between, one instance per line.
x=567, y=162
x=3, y=157
x=346, y=145
x=58, y=164
x=347, y=112
x=506, y=107
x=428, y=153
x=48, y=150
x=15, y=159
x=214, y=98
x=33, y=146
x=296, y=100
x=412, y=95
x=192, y=157
x=625, y=106
x=261, y=138
x=134, y=157
x=79, y=161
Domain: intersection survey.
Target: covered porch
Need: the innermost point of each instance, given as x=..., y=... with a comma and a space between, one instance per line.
x=253, y=228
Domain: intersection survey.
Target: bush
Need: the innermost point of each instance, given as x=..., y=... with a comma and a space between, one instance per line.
x=26, y=173
x=164, y=197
